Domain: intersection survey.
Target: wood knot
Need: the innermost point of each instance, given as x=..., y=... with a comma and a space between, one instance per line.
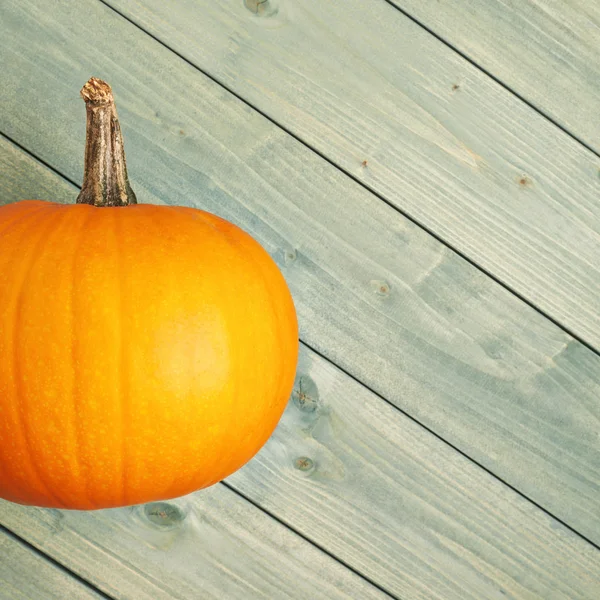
x=524, y=181
x=306, y=395
x=97, y=91
x=290, y=256
x=261, y=8
x=380, y=287
x=164, y=515
x=303, y=463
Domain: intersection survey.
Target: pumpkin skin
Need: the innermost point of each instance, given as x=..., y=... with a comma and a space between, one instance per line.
x=145, y=352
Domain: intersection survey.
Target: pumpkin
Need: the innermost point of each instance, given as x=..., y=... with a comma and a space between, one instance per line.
x=146, y=351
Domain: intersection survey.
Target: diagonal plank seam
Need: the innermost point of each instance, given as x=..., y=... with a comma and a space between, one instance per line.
x=376, y=393
x=293, y=529
x=377, y=194
x=483, y=70
x=226, y=484
x=17, y=538
x=366, y=386
x=299, y=533
x=455, y=448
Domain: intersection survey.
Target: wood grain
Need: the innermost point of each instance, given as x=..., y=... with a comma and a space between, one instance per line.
x=442, y=141
x=211, y=545
x=25, y=575
x=26, y=179
x=347, y=470
x=548, y=51
x=374, y=293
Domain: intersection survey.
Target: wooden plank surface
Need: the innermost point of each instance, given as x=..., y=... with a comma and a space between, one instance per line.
x=548, y=51
x=227, y=548
x=347, y=470
x=443, y=142
x=351, y=473
x=212, y=545
x=25, y=575
x=374, y=293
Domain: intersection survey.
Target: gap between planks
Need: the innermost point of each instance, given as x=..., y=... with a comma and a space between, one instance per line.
x=378, y=395
x=229, y=486
x=501, y=83
x=373, y=191
x=279, y=520
x=55, y=563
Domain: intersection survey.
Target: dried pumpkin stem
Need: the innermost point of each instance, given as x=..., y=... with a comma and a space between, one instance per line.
x=105, y=181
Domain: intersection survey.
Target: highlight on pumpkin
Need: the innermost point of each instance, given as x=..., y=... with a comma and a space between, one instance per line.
x=148, y=350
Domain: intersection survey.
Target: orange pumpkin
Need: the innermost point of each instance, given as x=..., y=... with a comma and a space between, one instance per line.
x=145, y=351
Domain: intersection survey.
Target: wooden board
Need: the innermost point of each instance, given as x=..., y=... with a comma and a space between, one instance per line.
x=374, y=293
x=548, y=51
x=348, y=471
x=443, y=142
x=25, y=575
x=212, y=545
x=23, y=178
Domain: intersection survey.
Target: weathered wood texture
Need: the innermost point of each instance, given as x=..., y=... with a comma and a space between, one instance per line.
x=26, y=179
x=359, y=81
x=374, y=292
x=347, y=470
x=209, y=545
x=548, y=51
x=25, y=575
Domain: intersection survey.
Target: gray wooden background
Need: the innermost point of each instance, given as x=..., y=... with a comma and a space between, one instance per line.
x=427, y=176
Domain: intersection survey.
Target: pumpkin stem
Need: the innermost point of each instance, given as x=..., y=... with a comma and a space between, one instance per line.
x=105, y=181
